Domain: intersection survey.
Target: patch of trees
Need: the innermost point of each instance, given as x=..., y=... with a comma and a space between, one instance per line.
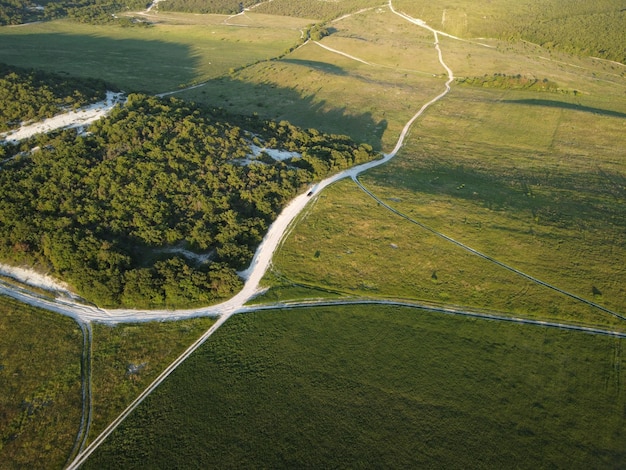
x=27, y=95
x=18, y=12
x=226, y=7
x=511, y=82
x=318, y=9
x=103, y=211
x=92, y=11
x=85, y=11
x=599, y=34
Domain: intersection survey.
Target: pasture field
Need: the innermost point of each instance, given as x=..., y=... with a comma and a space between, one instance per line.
x=581, y=28
x=40, y=377
x=349, y=245
x=40, y=391
x=537, y=183
x=382, y=387
x=128, y=357
x=313, y=87
x=154, y=59
x=533, y=179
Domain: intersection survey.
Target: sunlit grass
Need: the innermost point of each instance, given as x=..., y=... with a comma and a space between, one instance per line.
x=40, y=386
x=156, y=59
x=381, y=387
x=127, y=357
x=346, y=243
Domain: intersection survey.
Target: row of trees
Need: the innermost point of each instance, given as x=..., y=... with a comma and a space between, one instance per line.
x=34, y=95
x=98, y=210
x=227, y=7
x=511, y=82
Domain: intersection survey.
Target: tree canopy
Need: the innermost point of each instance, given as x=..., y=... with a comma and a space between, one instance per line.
x=116, y=212
x=27, y=95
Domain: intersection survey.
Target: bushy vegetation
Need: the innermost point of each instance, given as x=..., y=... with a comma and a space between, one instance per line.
x=85, y=11
x=577, y=27
x=511, y=82
x=228, y=7
x=27, y=95
x=99, y=209
x=381, y=387
x=40, y=398
x=18, y=12
x=316, y=9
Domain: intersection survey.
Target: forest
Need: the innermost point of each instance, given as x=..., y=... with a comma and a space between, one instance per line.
x=315, y=9
x=27, y=95
x=116, y=212
x=227, y=7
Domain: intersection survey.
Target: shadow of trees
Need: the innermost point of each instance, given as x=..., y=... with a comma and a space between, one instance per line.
x=134, y=65
x=565, y=105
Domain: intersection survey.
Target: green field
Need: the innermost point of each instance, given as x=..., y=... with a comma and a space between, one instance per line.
x=348, y=244
x=318, y=88
x=156, y=59
x=40, y=377
x=385, y=388
x=40, y=391
x=128, y=357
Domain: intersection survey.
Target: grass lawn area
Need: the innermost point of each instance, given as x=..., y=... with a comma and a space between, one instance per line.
x=346, y=243
x=128, y=357
x=318, y=88
x=40, y=386
x=382, y=387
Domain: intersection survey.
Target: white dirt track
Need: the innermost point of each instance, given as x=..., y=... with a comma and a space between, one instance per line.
x=72, y=119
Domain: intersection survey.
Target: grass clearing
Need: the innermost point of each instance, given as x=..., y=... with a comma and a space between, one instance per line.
x=40, y=386
x=128, y=357
x=346, y=243
x=547, y=198
x=318, y=88
x=383, y=387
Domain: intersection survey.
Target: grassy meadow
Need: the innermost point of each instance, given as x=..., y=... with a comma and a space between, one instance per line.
x=581, y=28
x=40, y=377
x=154, y=59
x=40, y=386
x=317, y=88
x=381, y=387
x=349, y=245
x=128, y=357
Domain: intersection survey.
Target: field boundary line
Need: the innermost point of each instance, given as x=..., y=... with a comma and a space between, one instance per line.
x=487, y=257
x=436, y=309
x=82, y=456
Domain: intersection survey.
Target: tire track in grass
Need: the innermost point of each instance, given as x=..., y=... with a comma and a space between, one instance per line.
x=487, y=257
x=84, y=454
x=484, y=315
x=85, y=378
